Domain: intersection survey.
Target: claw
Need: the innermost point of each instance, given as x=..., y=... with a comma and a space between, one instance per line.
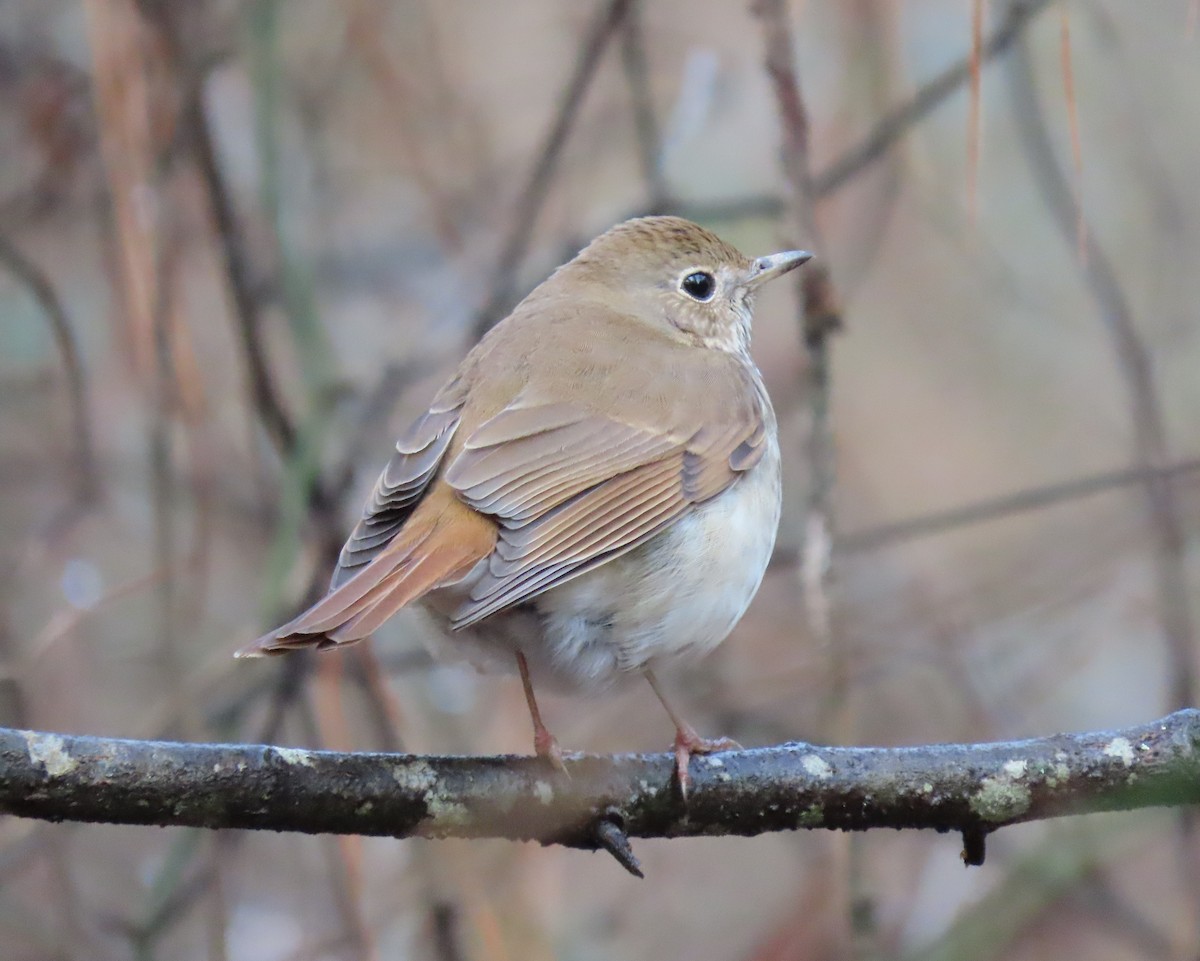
x=546, y=746
x=687, y=743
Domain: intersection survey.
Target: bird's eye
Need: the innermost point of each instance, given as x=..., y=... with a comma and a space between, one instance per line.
x=699, y=285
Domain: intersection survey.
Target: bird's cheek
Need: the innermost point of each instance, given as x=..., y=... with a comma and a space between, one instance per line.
x=743, y=315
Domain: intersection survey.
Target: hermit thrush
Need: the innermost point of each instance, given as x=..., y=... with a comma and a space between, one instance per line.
x=595, y=492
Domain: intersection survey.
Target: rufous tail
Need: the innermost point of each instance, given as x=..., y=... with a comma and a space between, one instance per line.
x=438, y=545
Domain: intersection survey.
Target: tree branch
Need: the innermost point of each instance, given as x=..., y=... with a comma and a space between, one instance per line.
x=898, y=121
x=500, y=300
x=87, y=478
x=1136, y=365
x=268, y=403
x=889, y=130
x=994, y=508
x=973, y=789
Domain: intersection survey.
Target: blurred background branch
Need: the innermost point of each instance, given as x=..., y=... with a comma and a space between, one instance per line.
x=244, y=241
x=84, y=467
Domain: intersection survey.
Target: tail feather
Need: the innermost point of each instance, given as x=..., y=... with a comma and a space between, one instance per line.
x=445, y=563
x=358, y=593
x=437, y=546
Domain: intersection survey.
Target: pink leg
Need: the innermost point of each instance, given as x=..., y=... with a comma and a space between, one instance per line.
x=544, y=742
x=687, y=741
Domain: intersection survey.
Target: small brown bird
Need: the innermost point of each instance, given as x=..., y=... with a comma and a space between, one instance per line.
x=595, y=493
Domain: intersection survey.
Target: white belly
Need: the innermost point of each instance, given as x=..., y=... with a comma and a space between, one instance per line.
x=674, y=598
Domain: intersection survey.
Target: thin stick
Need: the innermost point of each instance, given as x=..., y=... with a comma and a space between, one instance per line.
x=886, y=133
x=1073, y=123
x=264, y=394
x=87, y=479
x=820, y=314
x=533, y=196
x=978, y=13
x=1145, y=411
x=1019, y=502
x=933, y=94
x=1133, y=358
x=637, y=75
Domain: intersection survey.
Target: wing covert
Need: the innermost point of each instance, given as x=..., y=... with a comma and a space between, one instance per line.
x=403, y=481
x=573, y=489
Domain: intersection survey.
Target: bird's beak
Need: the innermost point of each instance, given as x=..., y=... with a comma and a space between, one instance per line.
x=774, y=265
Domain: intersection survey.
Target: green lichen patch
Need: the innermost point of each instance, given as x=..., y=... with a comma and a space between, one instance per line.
x=1000, y=799
x=50, y=751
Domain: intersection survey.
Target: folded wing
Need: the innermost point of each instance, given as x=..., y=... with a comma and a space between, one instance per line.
x=572, y=490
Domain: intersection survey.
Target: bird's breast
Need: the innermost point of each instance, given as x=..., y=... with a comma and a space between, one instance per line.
x=674, y=598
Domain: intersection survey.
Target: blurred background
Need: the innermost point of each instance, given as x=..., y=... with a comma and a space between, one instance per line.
x=243, y=241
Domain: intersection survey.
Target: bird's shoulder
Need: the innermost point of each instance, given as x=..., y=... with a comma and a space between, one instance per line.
x=610, y=363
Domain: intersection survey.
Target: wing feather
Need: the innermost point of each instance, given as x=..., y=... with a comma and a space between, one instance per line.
x=573, y=489
x=525, y=485
x=403, y=481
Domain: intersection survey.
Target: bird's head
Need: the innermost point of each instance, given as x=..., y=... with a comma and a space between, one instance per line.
x=668, y=270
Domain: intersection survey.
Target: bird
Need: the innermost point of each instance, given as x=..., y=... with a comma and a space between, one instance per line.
x=594, y=494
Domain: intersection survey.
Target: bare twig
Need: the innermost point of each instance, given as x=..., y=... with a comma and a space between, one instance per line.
x=444, y=924
x=269, y=405
x=820, y=312
x=793, y=116
x=162, y=402
x=886, y=133
x=1133, y=358
x=378, y=404
x=637, y=74
x=1149, y=429
x=1111, y=909
x=975, y=110
x=87, y=480
x=819, y=317
x=931, y=95
x=1068, y=72
x=125, y=103
x=611, y=837
x=769, y=206
x=169, y=909
x=366, y=29
x=381, y=703
x=970, y=788
x=1034, y=498
x=608, y=18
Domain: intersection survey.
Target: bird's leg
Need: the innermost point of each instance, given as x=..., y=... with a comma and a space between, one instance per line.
x=687, y=741
x=544, y=743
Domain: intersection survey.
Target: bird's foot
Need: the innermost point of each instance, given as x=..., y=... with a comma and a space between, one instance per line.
x=546, y=746
x=687, y=743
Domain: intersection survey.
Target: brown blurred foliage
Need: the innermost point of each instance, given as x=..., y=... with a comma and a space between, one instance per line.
x=241, y=241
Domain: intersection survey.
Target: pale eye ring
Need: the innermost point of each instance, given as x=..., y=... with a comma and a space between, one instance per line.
x=699, y=285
